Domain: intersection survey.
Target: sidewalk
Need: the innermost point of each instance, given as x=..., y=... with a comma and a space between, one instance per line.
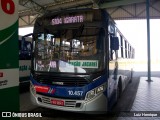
x=147, y=101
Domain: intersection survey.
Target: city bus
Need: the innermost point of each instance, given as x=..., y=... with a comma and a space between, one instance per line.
x=24, y=59
x=81, y=62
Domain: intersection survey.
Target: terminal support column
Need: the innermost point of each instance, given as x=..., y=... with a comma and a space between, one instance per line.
x=148, y=39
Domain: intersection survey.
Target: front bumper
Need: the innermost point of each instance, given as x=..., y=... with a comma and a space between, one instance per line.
x=96, y=105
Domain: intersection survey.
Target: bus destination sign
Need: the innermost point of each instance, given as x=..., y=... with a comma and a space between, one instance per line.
x=67, y=20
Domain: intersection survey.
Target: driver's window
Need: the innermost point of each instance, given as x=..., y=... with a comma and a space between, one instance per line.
x=112, y=53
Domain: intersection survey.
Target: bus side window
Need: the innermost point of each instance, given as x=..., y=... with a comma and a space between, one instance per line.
x=129, y=51
x=121, y=39
x=110, y=50
x=124, y=50
x=126, y=55
x=120, y=46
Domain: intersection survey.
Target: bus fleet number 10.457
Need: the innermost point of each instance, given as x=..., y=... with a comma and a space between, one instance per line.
x=75, y=93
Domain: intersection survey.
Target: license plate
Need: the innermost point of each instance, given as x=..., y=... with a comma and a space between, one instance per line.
x=57, y=102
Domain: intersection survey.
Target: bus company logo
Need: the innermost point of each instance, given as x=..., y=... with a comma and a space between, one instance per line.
x=52, y=90
x=6, y=114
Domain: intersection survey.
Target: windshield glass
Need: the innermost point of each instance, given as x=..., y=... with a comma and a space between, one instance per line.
x=70, y=50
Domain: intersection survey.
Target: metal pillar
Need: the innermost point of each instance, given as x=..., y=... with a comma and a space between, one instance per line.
x=148, y=40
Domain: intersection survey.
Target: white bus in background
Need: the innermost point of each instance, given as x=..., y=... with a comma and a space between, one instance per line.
x=24, y=59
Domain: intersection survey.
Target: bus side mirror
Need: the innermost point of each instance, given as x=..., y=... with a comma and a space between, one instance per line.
x=115, y=43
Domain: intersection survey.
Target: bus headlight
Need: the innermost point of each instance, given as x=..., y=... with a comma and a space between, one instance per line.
x=90, y=94
x=94, y=92
x=32, y=88
x=100, y=89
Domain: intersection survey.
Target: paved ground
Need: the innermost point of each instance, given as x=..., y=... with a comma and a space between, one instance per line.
x=146, y=105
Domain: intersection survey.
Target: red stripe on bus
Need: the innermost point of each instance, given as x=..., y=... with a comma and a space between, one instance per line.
x=42, y=89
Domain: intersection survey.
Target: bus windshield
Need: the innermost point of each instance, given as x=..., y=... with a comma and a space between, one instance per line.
x=71, y=50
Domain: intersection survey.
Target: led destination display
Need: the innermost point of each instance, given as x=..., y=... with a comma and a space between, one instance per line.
x=72, y=18
x=69, y=19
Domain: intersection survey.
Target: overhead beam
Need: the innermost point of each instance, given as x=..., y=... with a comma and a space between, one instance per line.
x=27, y=20
x=69, y=4
x=30, y=4
x=32, y=7
x=120, y=3
x=56, y=6
x=95, y=4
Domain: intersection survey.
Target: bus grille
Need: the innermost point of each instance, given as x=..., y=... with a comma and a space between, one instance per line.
x=62, y=81
x=68, y=103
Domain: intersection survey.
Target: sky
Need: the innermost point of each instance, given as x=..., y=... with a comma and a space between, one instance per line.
x=135, y=31
x=25, y=30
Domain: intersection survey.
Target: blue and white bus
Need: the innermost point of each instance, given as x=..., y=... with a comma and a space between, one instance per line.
x=81, y=62
x=24, y=59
